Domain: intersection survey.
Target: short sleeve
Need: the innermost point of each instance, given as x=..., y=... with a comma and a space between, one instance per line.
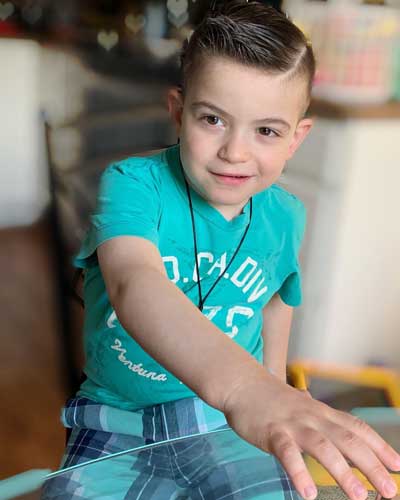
x=291, y=289
x=128, y=204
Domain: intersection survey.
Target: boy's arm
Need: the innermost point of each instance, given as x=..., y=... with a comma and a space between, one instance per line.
x=277, y=320
x=165, y=322
x=258, y=406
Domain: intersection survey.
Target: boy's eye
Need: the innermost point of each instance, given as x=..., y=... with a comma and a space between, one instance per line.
x=211, y=119
x=268, y=132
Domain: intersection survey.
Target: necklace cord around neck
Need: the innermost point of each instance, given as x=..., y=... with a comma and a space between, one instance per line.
x=201, y=300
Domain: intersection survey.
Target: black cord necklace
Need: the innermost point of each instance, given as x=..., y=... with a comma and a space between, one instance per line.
x=201, y=299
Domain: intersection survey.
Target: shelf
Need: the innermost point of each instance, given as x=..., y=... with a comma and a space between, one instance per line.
x=325, y=109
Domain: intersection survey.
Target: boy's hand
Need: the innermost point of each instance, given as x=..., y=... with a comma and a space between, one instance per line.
x=286, y=422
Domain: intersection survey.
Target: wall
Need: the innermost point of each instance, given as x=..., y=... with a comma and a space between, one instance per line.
x=23, y=176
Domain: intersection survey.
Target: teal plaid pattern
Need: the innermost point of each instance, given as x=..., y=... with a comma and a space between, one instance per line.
x=181, y=470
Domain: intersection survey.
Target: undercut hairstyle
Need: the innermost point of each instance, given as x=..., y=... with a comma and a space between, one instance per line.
x=252, y=34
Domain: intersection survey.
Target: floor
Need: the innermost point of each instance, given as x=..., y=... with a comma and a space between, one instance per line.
x=31, y=379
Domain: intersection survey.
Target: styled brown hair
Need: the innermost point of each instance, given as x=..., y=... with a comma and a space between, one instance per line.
x=252, y=34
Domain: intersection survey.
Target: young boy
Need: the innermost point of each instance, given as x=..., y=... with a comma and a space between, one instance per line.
x=191, y=276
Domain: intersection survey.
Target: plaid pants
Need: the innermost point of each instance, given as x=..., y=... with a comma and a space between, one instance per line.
x=179, y=470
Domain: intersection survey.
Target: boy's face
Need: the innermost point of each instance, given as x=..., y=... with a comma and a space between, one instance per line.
x=237, y=127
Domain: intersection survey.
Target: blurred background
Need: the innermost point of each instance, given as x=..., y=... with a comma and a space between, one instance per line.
x=83, y=83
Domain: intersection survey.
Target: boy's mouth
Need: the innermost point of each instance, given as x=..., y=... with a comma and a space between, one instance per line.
x=233, y=179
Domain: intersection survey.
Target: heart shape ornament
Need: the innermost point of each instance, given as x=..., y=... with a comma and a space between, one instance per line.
x=108, y=39
x=134, y=23
x=179, y=21
x=177, y=7
x=6, y=9
x=32, y=14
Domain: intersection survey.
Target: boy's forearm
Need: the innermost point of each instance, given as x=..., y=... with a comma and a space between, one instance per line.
x=173, y=331
x=277, y=320
x=275, y=365
x=280, y=373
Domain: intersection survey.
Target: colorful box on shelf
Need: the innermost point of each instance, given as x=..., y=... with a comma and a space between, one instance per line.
x=357, y=49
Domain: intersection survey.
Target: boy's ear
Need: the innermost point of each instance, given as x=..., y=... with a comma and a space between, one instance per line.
x=303, y=128
x=175, y=107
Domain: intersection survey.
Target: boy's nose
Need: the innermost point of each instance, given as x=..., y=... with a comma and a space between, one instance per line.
x=234, y=150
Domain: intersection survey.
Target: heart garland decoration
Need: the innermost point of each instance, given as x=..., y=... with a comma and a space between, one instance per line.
x=135, y=23
x=178, y=12
x=6, y=10
x=108, y=39
x=32, y=14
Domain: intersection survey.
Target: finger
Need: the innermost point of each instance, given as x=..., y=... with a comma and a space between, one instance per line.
x=381, y=448
x=324, y=450
x=289, y=455
x=364, y=458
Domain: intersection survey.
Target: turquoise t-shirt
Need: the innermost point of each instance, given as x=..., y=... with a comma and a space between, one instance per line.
x=146, y=197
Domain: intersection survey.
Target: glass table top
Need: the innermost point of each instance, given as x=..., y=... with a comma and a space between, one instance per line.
x=214, y=465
